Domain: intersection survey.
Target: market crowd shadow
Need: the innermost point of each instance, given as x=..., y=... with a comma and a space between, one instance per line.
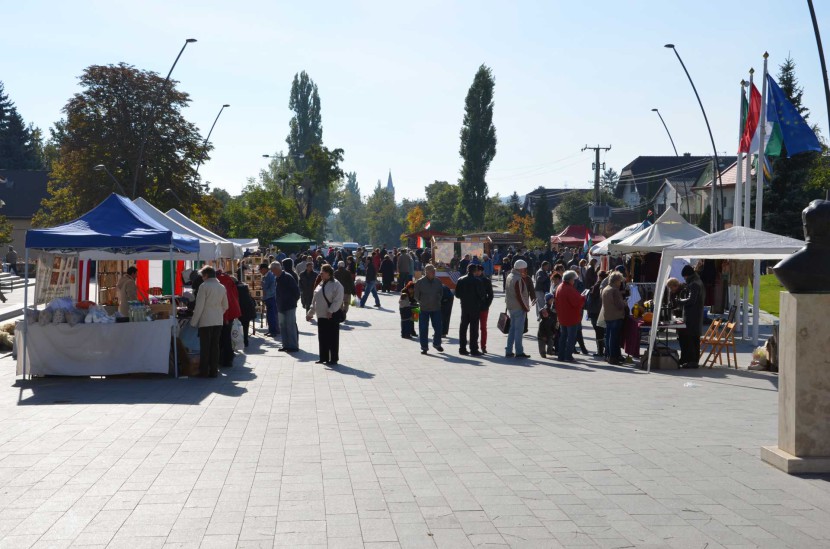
x=349, y=371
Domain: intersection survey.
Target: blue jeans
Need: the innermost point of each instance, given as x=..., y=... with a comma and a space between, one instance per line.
x=371, y=286
x=271, y=316
x=567, y=341
x=613, y=330
x=517, y=330
x=288, y=327
x=423, y=328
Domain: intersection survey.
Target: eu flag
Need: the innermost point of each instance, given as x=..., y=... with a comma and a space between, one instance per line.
x=797, y=134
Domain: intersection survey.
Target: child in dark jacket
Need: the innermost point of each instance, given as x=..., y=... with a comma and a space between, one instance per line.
x=406, y=305
x=547, y=332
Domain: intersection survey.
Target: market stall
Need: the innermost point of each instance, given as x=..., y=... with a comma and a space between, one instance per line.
x=602, y=248
x=227, y=249
x=736, y=243
x=669, y=229
x=96, y=345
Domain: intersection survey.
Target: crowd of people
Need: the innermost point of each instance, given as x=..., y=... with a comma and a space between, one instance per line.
x=565, y=287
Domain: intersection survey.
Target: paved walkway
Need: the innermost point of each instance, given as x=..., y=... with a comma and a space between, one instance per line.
x=393, y=449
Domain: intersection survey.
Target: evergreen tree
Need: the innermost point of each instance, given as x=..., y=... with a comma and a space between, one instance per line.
x=478, y=147
x=790, y=189
x=542, y=218
x=306, y=126
x=608, y=180
x=20, y=145
x=515, y=205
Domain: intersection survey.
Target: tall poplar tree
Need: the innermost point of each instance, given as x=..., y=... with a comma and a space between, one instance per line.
x=478, y=147
x=306, y=126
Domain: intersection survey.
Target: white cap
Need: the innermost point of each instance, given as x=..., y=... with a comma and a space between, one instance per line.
x=520, y=264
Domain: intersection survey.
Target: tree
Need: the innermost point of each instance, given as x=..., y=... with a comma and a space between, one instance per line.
x=306, y=126
x=315, y=187
x=415, y=219
x=521, y=224
x=20, y=145
x=573, y=209
x=478, y=145
x=104, y=123
x=515, y=204
x=497, y=214
x=608, y=180
x=791, y=188
x=441, y=201
x=382, y=218
x=542, y=218
x=350, y=222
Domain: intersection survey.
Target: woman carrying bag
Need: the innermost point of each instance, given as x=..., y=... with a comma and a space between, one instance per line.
x=326, y=304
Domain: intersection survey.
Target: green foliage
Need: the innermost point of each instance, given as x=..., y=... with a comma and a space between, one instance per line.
x=515, y=204
x=542, y=218
x=5, y=230
x=306, y=126
x=104, y=122
x=350, y=223
x=315, y=188
x=478, y=147
x=573, y=209
x=705, y=219
x=20, y=145
x=608, y=180
x=442, y=199
x=262, y=211
x=497, y=214
x=383, y=220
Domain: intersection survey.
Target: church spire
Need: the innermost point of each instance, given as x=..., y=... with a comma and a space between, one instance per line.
x=389, y=185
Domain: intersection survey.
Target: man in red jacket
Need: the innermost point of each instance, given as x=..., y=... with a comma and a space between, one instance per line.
x=569, y=303
x=232, y=313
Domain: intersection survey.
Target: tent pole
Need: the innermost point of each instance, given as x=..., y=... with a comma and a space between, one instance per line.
x=25, y=309
x=174, y=326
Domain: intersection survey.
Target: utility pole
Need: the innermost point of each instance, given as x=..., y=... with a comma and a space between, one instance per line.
x=596, y=150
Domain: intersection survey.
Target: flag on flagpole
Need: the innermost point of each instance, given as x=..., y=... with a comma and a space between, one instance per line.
x=420, y=243
x=772, y=133
x=751, y=120
x=589, y=243
x=796, y=134
x=428, y=224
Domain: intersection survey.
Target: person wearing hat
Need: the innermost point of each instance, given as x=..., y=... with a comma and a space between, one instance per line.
x=692, y=303
x=517, y=301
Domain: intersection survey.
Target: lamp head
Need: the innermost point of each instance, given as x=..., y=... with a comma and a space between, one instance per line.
x=654, y=110
x=670, y=46
x=225, y=105
x=99, y=167
x=266, y=156
x=190, y=40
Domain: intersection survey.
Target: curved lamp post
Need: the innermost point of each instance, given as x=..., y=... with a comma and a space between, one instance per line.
x=102, y=168
x=202, y=152
x=716, y=167
x=667, y=130
x=152, y=119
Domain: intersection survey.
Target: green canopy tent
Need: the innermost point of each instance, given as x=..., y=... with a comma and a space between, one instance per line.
x=292, y=240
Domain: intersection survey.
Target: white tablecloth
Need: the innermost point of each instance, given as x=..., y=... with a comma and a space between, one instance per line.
x=96, y=349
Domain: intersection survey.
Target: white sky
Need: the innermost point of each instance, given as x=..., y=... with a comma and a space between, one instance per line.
x=393, y=76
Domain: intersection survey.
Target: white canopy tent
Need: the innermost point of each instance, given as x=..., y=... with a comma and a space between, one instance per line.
x=246, y=243
x=602, y=247
x=735, y=243
x=208, y=248
x=227, y=249
x=668, y=230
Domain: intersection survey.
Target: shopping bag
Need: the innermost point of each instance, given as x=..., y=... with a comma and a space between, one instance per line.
x=504, y=323
x=237, y=337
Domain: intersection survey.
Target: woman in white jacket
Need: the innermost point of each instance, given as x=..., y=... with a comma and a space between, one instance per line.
x=211, y=304
x=327, y=300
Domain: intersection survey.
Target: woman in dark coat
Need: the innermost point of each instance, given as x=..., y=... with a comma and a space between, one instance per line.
x=387, y=271
x=306, y=282
x=248, y=307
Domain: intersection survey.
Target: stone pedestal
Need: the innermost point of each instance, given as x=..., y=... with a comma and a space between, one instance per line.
x=803, y=386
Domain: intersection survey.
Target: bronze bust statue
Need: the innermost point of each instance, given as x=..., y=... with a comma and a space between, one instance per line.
x=807, y=271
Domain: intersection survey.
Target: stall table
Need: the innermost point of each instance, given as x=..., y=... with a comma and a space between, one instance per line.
x=96, y=349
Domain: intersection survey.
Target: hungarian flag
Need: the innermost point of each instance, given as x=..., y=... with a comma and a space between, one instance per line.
x=772, y=137
x=421, y=242
x=589, y=243
x=750, y=119
x=428, y=225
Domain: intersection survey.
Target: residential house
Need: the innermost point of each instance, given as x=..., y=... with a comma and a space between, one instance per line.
x=728, y=178
x=21, y=192
x=553, y=196
x=642, y=177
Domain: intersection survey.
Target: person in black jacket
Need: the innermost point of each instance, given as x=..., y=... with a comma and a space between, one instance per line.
x=248, y=307
x=307, y=283
x=470, y=292
x=485, y=306
x=387, y=274
x=288, y=293
x=447, y=301
x=693, y=317
x=594, y=306
x=371, y=284
x=346, y=279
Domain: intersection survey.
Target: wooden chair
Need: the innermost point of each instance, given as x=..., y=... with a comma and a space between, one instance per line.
x=708, y=339
x=725, y=340
x=154, y=290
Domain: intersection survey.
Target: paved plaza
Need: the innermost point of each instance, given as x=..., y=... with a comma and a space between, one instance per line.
x=393, y=449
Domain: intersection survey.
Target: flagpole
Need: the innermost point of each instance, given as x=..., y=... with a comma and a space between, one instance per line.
x=736, y=216
x=759, y=204
x=747, y=214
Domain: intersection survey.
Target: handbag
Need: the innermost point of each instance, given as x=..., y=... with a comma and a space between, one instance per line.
x=504, y=322
x=338, y=315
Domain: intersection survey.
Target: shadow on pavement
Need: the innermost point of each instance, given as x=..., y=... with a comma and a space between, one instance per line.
x=724, y=376
x=346, y=370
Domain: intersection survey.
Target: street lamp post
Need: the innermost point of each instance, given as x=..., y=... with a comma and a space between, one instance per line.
x=202, y=152
x=152, y=118
x=102, y=168
x=716, y=167
x=667, y=130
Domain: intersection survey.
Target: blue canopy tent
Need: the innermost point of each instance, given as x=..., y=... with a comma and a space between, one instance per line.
x=114, y=229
